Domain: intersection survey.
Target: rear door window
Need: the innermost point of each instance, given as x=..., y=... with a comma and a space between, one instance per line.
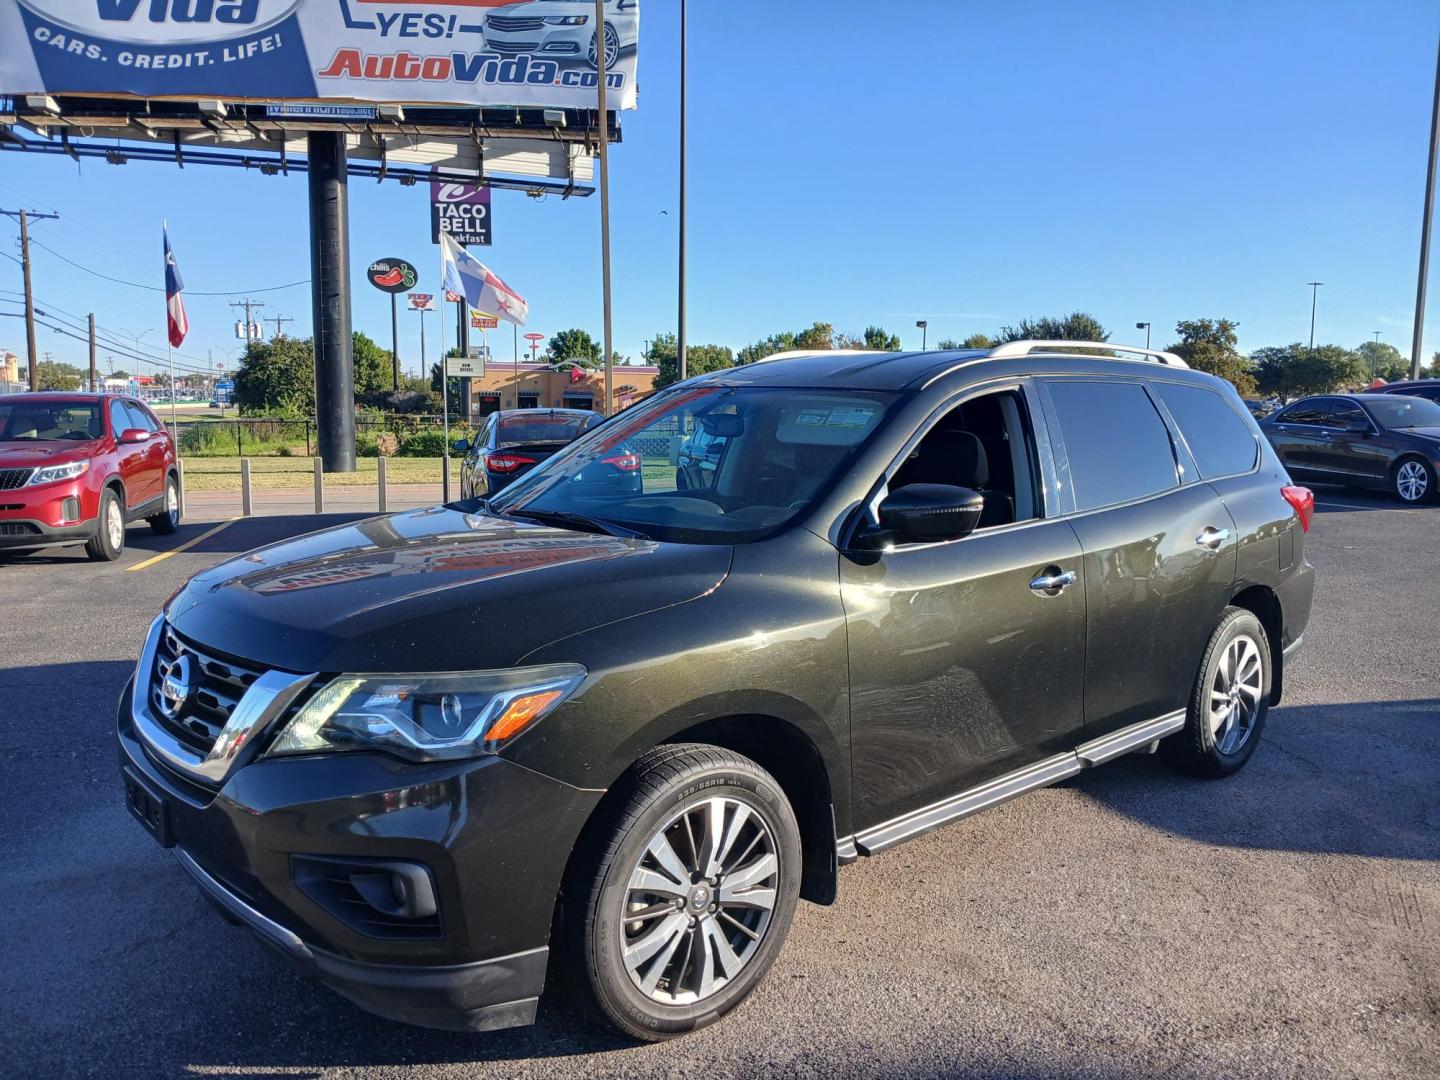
x=1219, y=439
x=1343, y=414
x=1118, y=446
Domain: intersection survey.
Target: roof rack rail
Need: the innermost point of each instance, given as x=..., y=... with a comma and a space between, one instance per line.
x=1025, y=348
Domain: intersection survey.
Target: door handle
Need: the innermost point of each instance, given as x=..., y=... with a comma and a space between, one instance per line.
x=1053, y=582
x=1212, y=537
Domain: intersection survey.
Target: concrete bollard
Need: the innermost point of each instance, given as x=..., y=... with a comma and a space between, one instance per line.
x=319, y=486
x=244, y=487
x=380, y=464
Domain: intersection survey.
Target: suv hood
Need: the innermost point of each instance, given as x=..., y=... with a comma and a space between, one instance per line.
x=33, y=455
x=432, y=590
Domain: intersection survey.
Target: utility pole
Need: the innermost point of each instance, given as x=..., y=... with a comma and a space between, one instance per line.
x=1314, y=292
x=1425, y=226
x=681, y=368
x=604, y=205
x=251, y=327
x=25, y=216
x=279, y=321
x=94, y=377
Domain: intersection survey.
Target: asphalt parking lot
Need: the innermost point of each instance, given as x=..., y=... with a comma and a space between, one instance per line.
x=1129, y=922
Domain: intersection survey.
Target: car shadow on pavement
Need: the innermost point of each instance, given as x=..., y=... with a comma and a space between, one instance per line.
x=1361, y=500
x=1354, y=779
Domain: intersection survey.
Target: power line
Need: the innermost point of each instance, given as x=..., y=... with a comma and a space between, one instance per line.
x=161, y=288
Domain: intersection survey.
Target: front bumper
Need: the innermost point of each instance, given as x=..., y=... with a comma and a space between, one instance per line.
x=59, y=513
x=493, y=836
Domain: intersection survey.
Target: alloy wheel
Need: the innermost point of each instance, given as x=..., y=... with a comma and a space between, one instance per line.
x=1411, y=481
x=612, y=48
x=1235, y=694
x=699, y=901
x=172, y=502
x=114, y=525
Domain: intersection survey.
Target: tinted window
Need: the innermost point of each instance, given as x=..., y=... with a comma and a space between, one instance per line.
x=23, y=420
x=1303, y=412
x=119, y=418
x=1118, y=446
x=139, y=417
x=1345, y=413
x=1220, y=440
x=1404, y=412
x=541, y=428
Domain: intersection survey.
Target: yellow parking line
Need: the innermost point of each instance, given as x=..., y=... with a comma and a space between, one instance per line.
x=183, y=547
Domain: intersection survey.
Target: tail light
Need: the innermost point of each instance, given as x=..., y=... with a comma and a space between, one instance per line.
x=1303, y=500
x=506, y=463
x=624, y=462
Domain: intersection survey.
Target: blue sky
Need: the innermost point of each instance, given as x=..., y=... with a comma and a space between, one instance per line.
x=1141, y=161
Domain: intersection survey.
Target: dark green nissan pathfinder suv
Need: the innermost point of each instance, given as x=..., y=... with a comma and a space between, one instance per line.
x=606, y=738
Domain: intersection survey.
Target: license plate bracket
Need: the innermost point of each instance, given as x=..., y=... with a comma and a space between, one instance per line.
x=148, y=807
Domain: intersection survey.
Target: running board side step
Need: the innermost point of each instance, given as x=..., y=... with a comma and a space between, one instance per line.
x=1012, y=785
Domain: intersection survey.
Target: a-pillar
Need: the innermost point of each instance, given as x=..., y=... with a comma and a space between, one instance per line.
x=330, y=298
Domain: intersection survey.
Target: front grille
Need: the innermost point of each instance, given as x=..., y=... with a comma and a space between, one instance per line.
x=217, y=685
x=510, y=23
x=10, y=479
x=512, y=48
x=18, y=528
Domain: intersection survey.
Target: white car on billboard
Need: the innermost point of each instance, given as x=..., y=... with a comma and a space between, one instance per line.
x=562, y=29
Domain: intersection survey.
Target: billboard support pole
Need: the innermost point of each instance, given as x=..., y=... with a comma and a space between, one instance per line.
x=605, y=204
x=330, y=299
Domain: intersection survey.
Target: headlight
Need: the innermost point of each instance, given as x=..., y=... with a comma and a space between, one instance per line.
x=567, y=20
x=427, y=717
x=51, y=473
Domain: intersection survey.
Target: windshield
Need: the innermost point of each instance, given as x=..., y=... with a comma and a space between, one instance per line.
x=709, y=465
x=542, y=428
x=1399, y=411
x=32, y=421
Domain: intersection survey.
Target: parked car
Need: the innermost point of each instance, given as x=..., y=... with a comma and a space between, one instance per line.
x=562, y=29
x=1425, y=388
x=77, y=468
x=920, y=584
x=1261, y=407
x=511, y=443
x=1385, y=442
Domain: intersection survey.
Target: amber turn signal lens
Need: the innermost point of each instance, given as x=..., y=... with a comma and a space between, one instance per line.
x=519, y=714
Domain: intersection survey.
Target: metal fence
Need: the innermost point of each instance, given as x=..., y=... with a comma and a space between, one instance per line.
x=261, y=437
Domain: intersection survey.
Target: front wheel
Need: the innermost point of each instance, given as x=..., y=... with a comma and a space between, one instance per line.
x=687, y=893
x=108, y=542
x=1230, y=699
x=612, y=49
x=1413, y=480
x=167, y=522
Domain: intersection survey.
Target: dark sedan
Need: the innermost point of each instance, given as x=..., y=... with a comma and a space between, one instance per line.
x=1426, y=388
x=1387, y=442
x=513, y=442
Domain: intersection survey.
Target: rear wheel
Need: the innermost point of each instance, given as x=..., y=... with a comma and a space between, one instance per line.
x=1413, y=480
x=167, y=522
x=686, y=899
x=1230, y=699
x=108, y=543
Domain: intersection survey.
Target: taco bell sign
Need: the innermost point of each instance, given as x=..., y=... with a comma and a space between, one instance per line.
x=462, y=210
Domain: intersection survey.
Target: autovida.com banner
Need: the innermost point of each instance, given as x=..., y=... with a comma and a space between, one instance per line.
x=465, y=52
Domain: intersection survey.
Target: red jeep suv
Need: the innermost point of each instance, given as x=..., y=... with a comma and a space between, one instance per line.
x=76, y=468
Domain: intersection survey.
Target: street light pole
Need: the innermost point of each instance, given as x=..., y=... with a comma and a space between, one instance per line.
x=1415, y=342
x=1146, y=327
x=1314, y=292
x=923, y=325
x=680, y=336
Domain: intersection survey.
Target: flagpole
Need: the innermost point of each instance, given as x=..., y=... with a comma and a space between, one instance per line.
x=170, y=354
x=604, y=200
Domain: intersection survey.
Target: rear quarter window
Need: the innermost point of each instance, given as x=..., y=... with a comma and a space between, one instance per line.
x=1219, y=439
x=1118, y=446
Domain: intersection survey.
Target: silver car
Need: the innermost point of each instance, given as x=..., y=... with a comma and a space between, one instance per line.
x=562, y=29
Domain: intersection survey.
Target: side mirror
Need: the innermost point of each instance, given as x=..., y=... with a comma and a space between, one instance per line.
x=461, y=446
x=927, y=514
x=134, y=435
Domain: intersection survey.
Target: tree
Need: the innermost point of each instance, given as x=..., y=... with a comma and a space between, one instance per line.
x=1210, y=345
x=820, y=336
x=374, y=366
x=1297, y=370
x=782, y=342
x=121, y=374
x=1383, y=361
x=574, y=344
x=874, y=337
x=699, y=359
x=53, y=375
x=1077, y=326
x=1433, y=371
x=277, y=377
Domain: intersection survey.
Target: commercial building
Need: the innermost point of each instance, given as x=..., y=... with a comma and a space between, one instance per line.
x=540, y=386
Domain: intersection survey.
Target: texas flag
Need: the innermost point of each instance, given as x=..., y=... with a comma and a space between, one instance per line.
x=174, y=302
x=461, y=272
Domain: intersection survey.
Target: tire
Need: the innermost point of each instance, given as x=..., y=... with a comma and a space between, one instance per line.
x=645, y=975
x=108, y=543
x=1412, y=480
x=166, y=523
x=1226, y=714
x=682, y=480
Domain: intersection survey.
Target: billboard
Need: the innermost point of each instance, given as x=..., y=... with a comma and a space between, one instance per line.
x=465, y=52
x=462, y=210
